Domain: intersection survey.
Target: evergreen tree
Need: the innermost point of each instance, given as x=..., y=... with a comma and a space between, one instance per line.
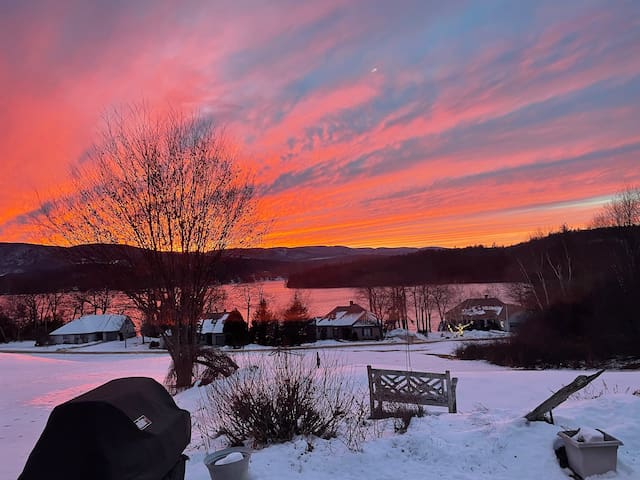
x=296, y=322
x=264, y=325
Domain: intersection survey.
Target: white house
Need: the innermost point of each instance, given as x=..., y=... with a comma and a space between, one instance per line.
x=350, y=322
x=92, y=328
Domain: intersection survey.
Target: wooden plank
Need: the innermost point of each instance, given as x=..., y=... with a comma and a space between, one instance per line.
x=452, y=393
x=405, y=373
x=409, y=398
x=370, y=376
x=581, y=381
x=449, y=395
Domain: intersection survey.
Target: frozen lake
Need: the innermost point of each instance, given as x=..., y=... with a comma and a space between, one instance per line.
x=321, y=301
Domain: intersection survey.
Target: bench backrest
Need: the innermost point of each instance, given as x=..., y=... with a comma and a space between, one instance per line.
x=417, y=388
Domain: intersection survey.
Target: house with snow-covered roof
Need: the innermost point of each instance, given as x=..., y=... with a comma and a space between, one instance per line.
x=487, y=313
x=212, y=326
x=94, y=328
x=349, y=322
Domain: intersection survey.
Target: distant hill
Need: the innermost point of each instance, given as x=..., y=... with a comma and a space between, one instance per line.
x=582, y=254
x=28, y=268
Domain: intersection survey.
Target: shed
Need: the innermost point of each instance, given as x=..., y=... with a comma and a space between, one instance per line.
x=92, y=328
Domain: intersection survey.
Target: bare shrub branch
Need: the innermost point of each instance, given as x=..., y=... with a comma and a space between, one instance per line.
x=273, y=402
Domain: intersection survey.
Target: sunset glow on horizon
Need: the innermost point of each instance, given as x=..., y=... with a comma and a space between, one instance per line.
x=409, y=123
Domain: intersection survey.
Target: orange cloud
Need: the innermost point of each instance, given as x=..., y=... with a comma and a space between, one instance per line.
x=363, y=124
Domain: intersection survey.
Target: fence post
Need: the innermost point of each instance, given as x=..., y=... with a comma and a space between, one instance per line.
x=451, y=392
x=454, y=384
x=371, y=402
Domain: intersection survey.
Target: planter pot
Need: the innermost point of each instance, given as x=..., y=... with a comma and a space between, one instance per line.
x=238, y=470
x=591, y=458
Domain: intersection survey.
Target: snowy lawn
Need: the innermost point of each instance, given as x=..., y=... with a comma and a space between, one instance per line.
x=487, y=439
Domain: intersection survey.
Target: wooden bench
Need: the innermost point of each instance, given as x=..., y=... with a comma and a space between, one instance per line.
x=416, y=388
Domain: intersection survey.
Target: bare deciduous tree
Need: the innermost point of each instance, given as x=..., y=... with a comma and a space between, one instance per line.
x=95, y=301
x=376, y=298
x=444, y=297
x=169, y=185
x=389, y=304
x=423, y=304
x=622, y=211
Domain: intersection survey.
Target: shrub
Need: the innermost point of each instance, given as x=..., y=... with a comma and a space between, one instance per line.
x=274, y=402
x=208, y=365
x=402, y=415
x=212, y=365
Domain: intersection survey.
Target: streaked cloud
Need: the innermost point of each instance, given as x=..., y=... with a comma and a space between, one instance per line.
x=366, y=123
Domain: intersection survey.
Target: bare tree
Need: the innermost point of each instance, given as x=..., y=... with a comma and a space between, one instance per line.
x=389, y=304
x=396, y=307
x=168, y=185
x=423, y=303
x=376, y=298
x=444, y=297
x=96, y=301
x=17, y=311
x=250, y=294
x=523, y=294
x=622, y=211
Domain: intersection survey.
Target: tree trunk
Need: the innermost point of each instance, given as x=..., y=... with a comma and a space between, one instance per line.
x=183, y=357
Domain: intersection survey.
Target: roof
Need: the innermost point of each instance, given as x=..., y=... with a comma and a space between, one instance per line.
x=487, y=308
x=348, y=316
x=214, y=322
x=92, y=324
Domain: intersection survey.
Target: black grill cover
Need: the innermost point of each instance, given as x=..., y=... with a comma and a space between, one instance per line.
x=128, y=428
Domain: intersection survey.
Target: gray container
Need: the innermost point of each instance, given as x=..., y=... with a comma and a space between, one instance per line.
x=591, y=458
x=231, y=471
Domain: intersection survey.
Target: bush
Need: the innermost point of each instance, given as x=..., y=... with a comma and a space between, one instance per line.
x=212, y=365
x=274, y=402
x=208, y=365
x=402, y=415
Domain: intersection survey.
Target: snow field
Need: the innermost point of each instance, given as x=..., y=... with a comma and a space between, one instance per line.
x=487, y=439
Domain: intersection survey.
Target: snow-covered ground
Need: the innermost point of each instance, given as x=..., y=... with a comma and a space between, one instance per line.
x=487, y=439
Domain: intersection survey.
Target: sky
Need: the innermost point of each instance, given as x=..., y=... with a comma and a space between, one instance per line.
x=365, y=123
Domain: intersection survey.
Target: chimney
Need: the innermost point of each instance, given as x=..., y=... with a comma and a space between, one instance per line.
x=350, y=302
x=486, y=295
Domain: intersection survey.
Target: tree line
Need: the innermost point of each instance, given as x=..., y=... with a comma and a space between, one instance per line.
x=33, y=316
x=582, y=288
